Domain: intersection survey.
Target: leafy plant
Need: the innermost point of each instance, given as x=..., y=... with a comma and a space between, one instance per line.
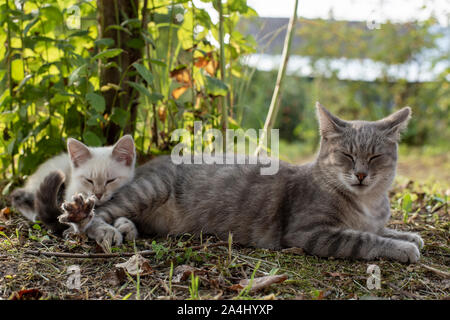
x=54, y=80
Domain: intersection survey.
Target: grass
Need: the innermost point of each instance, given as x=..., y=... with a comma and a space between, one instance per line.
x=416, y=206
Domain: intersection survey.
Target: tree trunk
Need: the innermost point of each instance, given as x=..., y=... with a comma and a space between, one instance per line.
x=115, y=12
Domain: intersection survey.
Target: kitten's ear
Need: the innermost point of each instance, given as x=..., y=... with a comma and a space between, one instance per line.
x=394, y=124
x=124, y=150
x=78, y=152
x=330, y=125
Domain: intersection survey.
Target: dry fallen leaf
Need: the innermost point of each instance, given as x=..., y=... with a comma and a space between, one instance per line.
x=162, y=113
x=208, y=63
x=269, y=297
x=211, y=67
x=115, y=277
x=183, y=272
x=176, y=93
x=259, y=283
x=26, y=294
x=201, y=62
x=136, y=264
x=5, y=214
x=181, y=75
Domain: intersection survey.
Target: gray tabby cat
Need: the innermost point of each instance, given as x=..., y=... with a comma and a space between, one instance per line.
x=334, y=206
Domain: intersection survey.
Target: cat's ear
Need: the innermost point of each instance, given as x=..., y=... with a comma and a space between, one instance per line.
x=124, y=150
x=78, y=152
x=393, y=125
x=330, y=125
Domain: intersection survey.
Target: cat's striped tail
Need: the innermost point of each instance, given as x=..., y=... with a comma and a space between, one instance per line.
x=48, y=200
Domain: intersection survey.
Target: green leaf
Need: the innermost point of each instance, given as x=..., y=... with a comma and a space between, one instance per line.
x=77, y=74
x=119, y=117
x=52, y=13
x=11, y=146
x=407, y=203
x=8, y=116
x=144, y=72
x=185, y=32
x=158, y=62
x=215, y=86
x=104, y=42
x=17, y=70
x=153, y=97
x=7, y=188
x=136, y=43
x=29, y=26
x=117, y=27
x=91, y=139
x=96, y=101
x=94, y=120
x=110, y=53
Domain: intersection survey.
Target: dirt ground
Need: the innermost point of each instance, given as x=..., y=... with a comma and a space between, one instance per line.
x=187, y=267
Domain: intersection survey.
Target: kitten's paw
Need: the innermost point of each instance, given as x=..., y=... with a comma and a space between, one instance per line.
x=127, y=228
x=107, y=235
x=69, y=232
x=79, y=211
x=416, y=239
x=406, y=252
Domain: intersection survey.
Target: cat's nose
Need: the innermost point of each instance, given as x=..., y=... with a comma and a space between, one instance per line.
x=99, y=195
x=361, y=176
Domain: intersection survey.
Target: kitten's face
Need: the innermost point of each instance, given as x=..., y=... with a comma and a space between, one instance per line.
x=101, y=171
x=361, y=156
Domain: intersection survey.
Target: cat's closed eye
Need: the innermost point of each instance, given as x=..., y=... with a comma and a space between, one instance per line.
x=110, y=181
x=374, y=157
x=89, y=180
x=349, y=156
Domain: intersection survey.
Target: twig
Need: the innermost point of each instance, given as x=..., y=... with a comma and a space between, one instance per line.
x=118, y=254
x=440, y=273
x=403, y=292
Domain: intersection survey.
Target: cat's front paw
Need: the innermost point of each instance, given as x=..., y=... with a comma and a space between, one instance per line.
x=406, y=252
x=127, y=228
x=69, y=232
x=107, y=236
x=416, y=239
x=80, y=211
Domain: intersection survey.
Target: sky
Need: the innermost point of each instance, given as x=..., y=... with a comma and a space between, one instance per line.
x=359, y=10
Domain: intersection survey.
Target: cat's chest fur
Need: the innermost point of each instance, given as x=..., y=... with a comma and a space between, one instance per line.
x=371, y=214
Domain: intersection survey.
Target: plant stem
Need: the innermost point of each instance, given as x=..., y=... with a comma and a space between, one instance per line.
x=10, y=84
x=276, y=97
x=222, y=103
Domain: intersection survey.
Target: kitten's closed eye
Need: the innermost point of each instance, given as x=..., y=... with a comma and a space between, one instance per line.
x=89, y=180
x=110, y=181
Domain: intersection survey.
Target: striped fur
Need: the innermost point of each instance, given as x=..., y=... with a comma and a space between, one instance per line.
x=320, y=206
x=316, y=206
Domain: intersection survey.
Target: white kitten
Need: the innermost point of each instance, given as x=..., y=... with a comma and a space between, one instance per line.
x=97, y=171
